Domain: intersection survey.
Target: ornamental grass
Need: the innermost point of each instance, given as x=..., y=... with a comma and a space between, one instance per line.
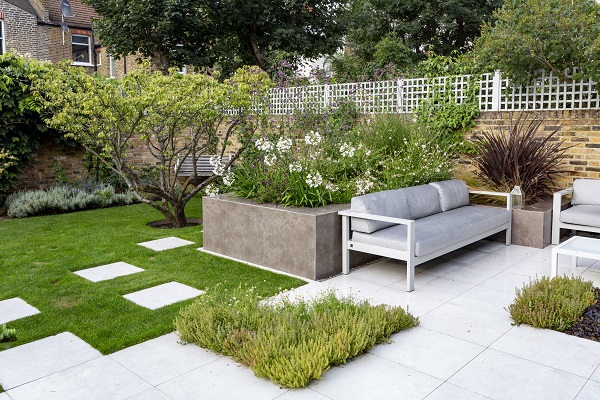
x=291, y=343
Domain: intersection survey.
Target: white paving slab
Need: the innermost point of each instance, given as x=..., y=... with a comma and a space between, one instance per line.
x=162, y=359
x=485, y=299
x=596, y=375
x=166, y=243
x=108, y=271
x=15, y=308
x=411, y=302
x=43, y=357
x=99, y=379
x=432, y=353
x=152, y=394
x=449, y=391
x=163, y=295
x=591, y=391
x=302, y=394
x=501, y=376
x=4, y=396
x=554, y=349
x=435, y=287
x=372, y=377
x=221, y=379
x=474, y=326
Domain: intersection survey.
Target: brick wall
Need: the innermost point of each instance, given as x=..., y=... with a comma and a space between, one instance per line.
x=40, y=170
x=20, y=30
x=580, y=128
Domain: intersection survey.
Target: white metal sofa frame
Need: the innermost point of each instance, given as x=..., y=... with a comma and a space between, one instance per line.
x=409, y=255
x=557, y=224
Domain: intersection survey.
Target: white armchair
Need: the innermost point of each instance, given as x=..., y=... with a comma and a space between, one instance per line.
x=584, y=215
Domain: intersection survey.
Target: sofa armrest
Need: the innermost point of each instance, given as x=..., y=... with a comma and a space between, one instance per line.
x=563, y=192
x=374, y=217
x=501, y=194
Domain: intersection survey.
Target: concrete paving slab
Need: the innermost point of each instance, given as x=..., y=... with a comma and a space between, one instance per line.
x=99, y=379
x=15, y=308
x=43, y=357
x=164, y=358
x=163, y=295
x=152, y=394
x=108, y=271
x=4, y=396
x=166, y=243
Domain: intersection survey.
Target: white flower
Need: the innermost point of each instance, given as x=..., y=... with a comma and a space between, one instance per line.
x=295, y=167
x=215, y=160
x=263, y=144
x=314, y=180
x=270, y=159
x=332, y=187
x=228, y=178
x=284, y=144
x=363, y=185
x=312, y=138
x=347, y=150
x=211, y=190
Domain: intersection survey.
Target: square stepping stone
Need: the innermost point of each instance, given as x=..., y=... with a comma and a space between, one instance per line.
x=163, y=295
x=165, y=243
x=43, y=357
x=15, y=308
x=108, y=271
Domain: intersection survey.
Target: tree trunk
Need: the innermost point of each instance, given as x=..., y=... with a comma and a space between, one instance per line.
x=177, y=216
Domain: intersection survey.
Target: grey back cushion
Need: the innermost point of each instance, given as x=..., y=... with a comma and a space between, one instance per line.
x=422, y=200
x=389, y=203
x=453, y=194
x=586, y=191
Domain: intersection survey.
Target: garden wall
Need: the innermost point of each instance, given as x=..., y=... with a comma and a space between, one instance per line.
x=577, y=127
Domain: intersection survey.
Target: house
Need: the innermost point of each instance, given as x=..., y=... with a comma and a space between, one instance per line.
x=38, y=28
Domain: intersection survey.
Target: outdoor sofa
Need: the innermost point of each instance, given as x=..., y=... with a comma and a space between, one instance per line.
x=584, y=215
x=419, y=223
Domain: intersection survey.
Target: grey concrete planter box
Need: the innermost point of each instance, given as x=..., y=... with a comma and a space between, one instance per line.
x=306, y=242
x=532, y=224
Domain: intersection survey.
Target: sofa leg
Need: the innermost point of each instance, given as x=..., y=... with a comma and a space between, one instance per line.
x=345, y=250
x=508, y=236
x=410, y=276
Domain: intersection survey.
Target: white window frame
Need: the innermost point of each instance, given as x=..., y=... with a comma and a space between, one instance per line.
x=2, y=38
x=111, y=67
x=90, y=54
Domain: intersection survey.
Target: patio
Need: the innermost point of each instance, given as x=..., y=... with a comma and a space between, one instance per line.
x=465, y=347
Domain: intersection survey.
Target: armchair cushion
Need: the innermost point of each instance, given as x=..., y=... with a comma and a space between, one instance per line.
x=422, y=200
x=587, y=215
x=586, y=191
x=390, y=203
x=453, y=194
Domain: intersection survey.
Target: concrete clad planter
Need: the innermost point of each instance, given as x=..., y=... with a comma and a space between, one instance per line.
x=306, y=242
x=532, y=224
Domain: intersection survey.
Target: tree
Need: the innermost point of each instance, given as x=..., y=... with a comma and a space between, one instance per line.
x=442, y=26
x=550, y=35
x=227, y=33
x=173, y=116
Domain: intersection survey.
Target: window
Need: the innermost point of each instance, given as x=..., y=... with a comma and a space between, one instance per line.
x=81, y=50
x=111, y=67
x=2, y=50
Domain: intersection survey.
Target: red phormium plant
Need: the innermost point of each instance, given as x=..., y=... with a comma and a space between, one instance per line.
x=521, y=157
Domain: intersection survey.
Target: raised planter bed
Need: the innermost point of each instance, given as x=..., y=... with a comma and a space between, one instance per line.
x=306, y=242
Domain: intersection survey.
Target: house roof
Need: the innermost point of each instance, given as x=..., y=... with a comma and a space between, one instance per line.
x=82, y=14
x=23, y=5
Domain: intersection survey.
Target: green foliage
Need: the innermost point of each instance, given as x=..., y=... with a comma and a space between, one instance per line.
x=62, y=199
x=447, y=119
x=290, y=343
x=438, y=25
x=173, y=116
x=21, y=126
x=350, y=68
x=550, y=35
x=7, y=334
x=520, y=157
x=226, y=34
x=317, y=169
x=556, y=303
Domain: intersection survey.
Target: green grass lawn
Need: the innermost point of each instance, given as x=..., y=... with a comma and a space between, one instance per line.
x=38, y=256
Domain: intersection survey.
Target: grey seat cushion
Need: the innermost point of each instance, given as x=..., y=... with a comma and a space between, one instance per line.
x=438, y=231
x=422, y=200
x=453, y=194
x=390, y=203
x=582, y=215
x=586, y=191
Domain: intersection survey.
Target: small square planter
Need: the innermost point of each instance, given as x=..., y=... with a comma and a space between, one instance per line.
x=306, y=242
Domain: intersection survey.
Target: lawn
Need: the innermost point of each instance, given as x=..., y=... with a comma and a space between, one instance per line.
x=38, y=256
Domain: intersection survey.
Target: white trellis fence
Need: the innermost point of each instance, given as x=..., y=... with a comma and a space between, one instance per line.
x=404, y=95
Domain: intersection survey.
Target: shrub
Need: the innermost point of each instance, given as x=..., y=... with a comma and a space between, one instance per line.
x=62, y=199
x=520, y=158
x=289, y=343
x=7, y=334
x=556, y=303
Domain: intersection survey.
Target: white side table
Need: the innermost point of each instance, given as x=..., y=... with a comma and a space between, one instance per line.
x=577, y=246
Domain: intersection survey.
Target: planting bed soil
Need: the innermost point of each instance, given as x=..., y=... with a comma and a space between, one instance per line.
x=589, y=326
